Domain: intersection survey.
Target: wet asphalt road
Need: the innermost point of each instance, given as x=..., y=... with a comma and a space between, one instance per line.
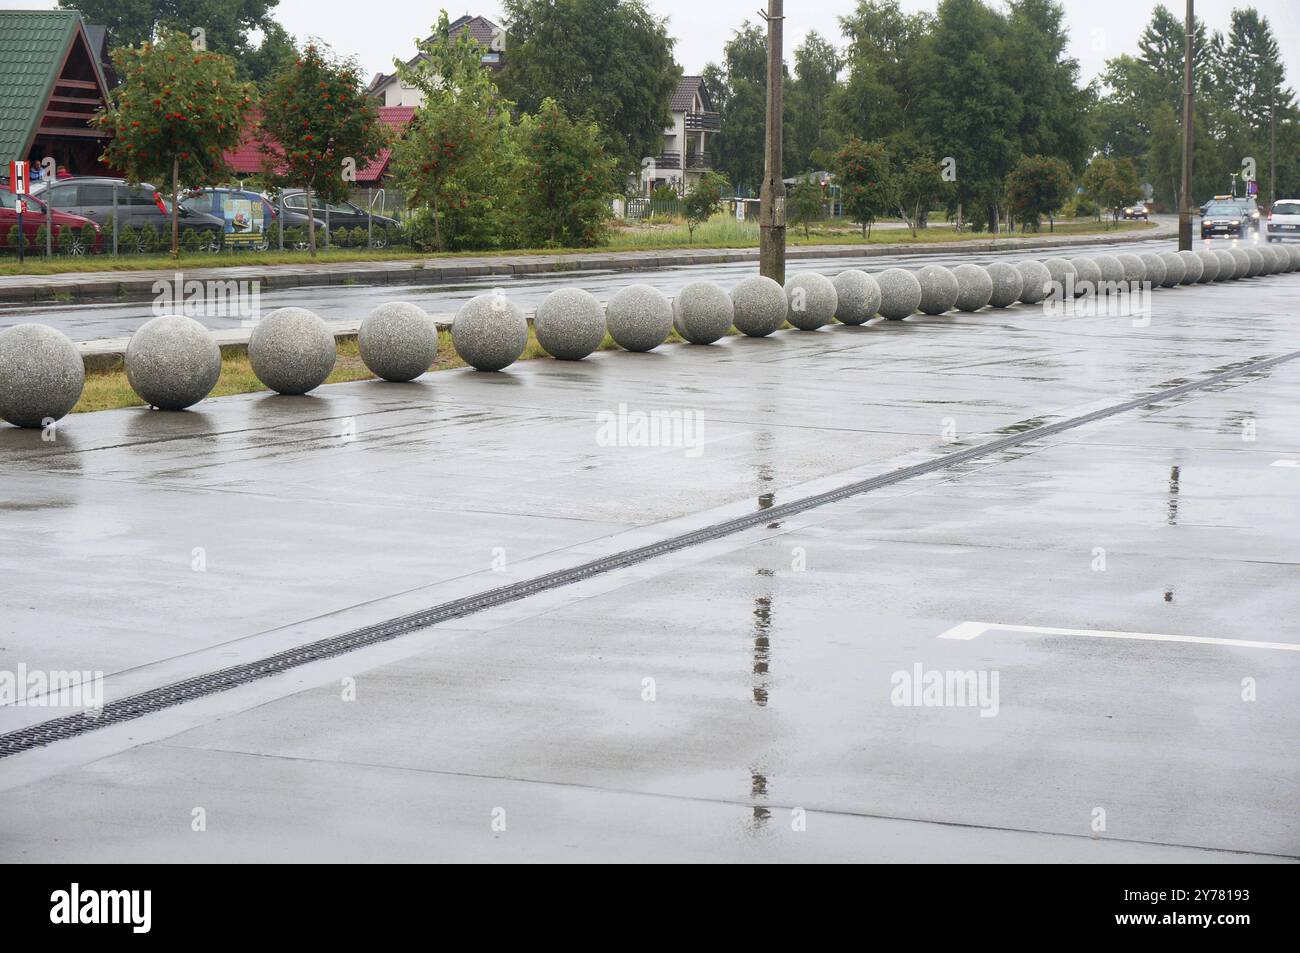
x=737, y=700
x=94, y=320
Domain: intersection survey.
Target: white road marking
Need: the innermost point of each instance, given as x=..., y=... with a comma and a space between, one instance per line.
x=970, y=630
x=1286, y=463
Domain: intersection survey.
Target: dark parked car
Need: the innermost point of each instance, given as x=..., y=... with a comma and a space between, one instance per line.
x=341, y=215
x=137, y=205
x=246, y=215
x=1225, y=218
x=35, y=217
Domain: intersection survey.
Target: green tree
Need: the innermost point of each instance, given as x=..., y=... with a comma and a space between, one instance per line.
x=175, y=113
x=739, y=89
x=564, y=175
x=225, y=25
x=966, y=105
x=702, y=201
x=1038, y=186
x=454, y=157
x=607, y=60
x=805, y=204
x=1164, y=158
x=1111, y=183
x=276, y=51
x=316, y=117
x=918, y=186
x=862, y=171
x=816, y=76
x=1046, y=83
x=875, y=100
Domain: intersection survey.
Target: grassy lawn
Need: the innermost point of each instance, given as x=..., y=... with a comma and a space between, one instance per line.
x=109, y=390
x=721, y=232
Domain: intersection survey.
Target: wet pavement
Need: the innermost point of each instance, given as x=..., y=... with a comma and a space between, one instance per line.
x=1124, y=593
x=94, y=320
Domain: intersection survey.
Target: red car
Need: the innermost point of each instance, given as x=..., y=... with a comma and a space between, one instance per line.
x=35, y=217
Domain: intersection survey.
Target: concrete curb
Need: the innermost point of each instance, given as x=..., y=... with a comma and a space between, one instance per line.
x=138, y=286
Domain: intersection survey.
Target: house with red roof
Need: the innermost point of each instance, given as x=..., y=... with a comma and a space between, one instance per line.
x=248, y=158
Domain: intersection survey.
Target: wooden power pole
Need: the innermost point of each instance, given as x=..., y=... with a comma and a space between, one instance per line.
x=771, y=216
x=1185, y=198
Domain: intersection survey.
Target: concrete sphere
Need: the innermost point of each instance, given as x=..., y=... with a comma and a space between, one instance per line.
x=639, y=317
x=1174, y=268
x=489, y=332
x=1256, y=262
x=41, y=375
x=1210, y=265
x=1036, y=278
x=1134, y=269
x=1265, y=258
x=569, y=324
x=1007, y=284
x=172, y=362
x=812, y=300
x=939, y=289
x=1087, y=275
x=900, y=293
x=1275, y=259
x=974, y=287
x=1241, y=262
x=857, y=297
x=702, y=312
x=1112, y=269
x=759, y=304
x=292, y=351
x=1193, y=267
x=1063, y=276
x=1294, y=252
x=1160, y=272
x=1283, y=259
x=1228, y=265
x=398, y=341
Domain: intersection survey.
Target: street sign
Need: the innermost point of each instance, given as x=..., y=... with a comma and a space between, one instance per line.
x=740, y=210
x=18, y=178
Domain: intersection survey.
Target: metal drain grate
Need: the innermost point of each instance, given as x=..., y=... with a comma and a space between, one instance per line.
x=177, y=693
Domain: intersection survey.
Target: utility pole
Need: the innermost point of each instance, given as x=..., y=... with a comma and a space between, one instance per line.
x=1272, y=150
x=771, y=216
x=1185, y=199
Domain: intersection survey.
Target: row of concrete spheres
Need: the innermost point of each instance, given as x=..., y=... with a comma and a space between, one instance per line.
x=173, y=362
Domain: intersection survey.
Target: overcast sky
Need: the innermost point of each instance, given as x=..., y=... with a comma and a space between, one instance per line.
x=1099, y=29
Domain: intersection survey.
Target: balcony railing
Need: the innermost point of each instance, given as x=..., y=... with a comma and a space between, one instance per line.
x=668, y=160
x=706, y=121
x=699, y=160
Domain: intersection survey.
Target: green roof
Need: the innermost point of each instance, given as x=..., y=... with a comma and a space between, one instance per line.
x=32, y=46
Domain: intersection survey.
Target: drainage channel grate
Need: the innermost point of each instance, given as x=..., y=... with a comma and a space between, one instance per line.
x=190, y=689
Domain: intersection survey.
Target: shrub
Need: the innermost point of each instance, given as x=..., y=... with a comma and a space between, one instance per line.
x=8, y=240
x=359, y=238
x=42, y=235
x=89, y=236
x=148, y=239
x=420, y=231
x=128, y=240
x=190, y=240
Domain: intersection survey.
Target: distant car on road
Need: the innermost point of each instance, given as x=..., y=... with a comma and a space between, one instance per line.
x=1283, y=220
x=137, y=205
x=341, y=214
x=1225, y=218
x=36, y=215
x=1135, y=212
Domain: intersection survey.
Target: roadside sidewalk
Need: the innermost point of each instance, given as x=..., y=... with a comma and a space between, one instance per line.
x=139, y=285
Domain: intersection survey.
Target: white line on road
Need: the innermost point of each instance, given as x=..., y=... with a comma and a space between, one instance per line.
x=1286, y=463
x=970, y=630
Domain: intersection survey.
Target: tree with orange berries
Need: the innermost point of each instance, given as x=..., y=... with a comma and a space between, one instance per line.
x=318, y=123
x=173, y=117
